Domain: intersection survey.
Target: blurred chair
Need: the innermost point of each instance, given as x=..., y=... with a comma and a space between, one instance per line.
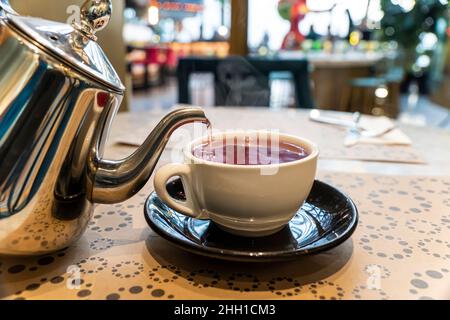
x=245, y=81
x=378, y=95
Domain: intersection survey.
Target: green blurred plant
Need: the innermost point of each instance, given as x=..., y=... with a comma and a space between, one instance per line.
x=407, y=21
x=285, y=9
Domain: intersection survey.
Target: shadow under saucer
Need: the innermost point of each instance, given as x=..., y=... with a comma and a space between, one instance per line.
x=248, y=276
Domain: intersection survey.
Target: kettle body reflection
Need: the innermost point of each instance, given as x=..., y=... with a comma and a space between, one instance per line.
x=58, y=98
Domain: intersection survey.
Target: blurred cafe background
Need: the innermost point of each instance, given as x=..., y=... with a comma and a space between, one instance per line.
x=379, y=57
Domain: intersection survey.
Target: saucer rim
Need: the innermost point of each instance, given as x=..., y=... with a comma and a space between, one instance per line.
x=239, y=256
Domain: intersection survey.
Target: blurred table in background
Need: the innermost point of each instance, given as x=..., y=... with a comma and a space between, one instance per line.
x=333, y=72
x=323, y=59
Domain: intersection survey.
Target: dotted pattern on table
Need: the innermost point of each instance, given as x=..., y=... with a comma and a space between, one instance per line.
x=400, y=250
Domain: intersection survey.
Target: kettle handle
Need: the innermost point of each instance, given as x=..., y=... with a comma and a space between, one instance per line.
x=5, y=6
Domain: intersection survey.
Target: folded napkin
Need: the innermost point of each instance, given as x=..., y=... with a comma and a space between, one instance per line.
x=373, y=125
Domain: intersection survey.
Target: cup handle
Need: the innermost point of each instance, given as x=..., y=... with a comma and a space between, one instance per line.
x=190, y=206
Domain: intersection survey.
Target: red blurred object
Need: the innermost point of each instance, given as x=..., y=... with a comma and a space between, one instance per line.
x=293, y=40
x=102, y=99
x=153, y=55
x=149, y=63
x=172, y=59
x=156, y=55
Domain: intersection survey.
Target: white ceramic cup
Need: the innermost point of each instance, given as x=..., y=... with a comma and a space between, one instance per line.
x=241, y=199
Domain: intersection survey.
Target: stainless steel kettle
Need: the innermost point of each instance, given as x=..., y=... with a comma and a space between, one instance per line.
x=58, y=97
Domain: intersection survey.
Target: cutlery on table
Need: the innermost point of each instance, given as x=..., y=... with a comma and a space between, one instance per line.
x=355, y=129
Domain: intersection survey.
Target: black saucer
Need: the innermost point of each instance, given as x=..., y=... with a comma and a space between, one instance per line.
x=327, y=219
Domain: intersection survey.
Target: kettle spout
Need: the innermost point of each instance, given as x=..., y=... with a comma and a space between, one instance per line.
x=117, y=181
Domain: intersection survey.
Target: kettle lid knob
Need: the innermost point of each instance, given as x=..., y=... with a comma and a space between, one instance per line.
x=6, y=6
x=95, y=16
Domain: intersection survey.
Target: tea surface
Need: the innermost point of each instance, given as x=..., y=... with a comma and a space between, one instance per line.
x=249, y=153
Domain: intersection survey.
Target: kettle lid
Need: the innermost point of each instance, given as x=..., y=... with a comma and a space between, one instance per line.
x=74, y=46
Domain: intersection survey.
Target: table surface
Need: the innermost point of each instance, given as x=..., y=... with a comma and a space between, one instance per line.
x=430, y=143
x=400, y=250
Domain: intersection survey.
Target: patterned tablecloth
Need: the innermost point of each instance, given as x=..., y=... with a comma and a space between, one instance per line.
x=400, y=250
